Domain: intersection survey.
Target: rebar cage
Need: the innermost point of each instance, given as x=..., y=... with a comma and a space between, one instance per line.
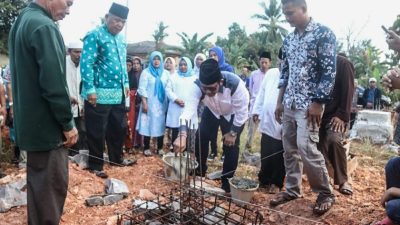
x=190, y=206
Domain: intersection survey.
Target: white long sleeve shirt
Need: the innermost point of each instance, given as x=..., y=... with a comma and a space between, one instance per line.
x=73, y=82
x=265, y=104
x=255, y=81
x=231, y=99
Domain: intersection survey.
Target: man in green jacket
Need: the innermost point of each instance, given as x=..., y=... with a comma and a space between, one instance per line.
x=105, y=87
x=42, y=112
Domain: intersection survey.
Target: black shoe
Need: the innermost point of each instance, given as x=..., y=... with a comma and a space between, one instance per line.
x=226, y=186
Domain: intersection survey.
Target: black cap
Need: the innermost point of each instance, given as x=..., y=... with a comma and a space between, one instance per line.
x=265, y=55
x=119, y=10
x=210, y=72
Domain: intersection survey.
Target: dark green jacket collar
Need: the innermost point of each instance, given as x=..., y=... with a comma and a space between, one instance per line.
x=36, y=6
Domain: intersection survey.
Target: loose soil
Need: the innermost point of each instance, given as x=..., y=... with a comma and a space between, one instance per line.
x=362, y=207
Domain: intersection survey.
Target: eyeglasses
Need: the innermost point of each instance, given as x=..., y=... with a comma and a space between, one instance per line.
x=209, y=88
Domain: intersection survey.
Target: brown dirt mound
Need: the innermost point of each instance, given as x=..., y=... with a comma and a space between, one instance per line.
x=361, y=208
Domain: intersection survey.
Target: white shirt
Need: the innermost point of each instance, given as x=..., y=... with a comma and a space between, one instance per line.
x=178, y=87
x=223, y=103
x=265, y=104
x=255, y=81
x=73, y=82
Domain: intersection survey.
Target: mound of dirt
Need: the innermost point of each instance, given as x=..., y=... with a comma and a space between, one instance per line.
x=361, y=208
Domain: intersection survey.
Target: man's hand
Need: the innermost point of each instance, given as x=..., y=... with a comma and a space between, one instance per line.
x=279, y=112
x=180, y=102
x=390, y=194
x=393, y=40
x=71, y=137
x=92, y=99
x=387, y=79
x=73, y=101
x=180, y=142
x=387, y=196
x=3, y=112
x=229, y=139
x=127, y=92
x=255, y=118
x=337, y=125
x=314, y=115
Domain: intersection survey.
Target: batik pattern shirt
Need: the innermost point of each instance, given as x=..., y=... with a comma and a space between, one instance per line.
x=309, y=66
x=103, y=66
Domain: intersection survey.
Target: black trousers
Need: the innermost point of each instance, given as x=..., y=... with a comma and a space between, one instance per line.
x=208, y=127
x=273, y=167
x=105, y=123
x=146, y=142
x=81, y=144
x=47, y=182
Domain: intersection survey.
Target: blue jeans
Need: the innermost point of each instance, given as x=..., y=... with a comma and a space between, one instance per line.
x=392, y=171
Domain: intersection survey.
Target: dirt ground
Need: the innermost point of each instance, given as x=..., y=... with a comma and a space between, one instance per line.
x=361, y=208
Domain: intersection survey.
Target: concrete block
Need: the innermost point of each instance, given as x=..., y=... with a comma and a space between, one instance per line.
x=373, y=125
x=115, y=186
x=111, y=199
x=94, y=200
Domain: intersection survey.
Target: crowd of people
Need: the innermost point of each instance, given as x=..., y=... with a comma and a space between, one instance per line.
x=92, y=95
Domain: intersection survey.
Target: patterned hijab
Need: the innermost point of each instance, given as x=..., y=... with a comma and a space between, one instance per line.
x=159, y=89
x=189, y=71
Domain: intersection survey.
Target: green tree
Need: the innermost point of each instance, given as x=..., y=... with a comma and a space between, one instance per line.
x=235, y=46
x=272, y=22
x=159, y=35
x=193, y=45
x=366, y=60
x=9, y=10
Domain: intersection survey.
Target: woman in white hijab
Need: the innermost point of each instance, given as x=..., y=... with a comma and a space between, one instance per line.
x=198, y=60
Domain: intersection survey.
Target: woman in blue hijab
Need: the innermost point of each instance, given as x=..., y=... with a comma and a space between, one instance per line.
x=151, y=121
x=218, y=54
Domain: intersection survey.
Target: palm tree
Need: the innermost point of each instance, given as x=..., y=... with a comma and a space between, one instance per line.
x=159, y=35
x=272, y=21
x=191, y=45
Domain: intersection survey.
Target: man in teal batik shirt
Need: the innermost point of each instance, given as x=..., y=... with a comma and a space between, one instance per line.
x=104, y=88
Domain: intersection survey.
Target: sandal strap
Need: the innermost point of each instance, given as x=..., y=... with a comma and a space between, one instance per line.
x=325, y=199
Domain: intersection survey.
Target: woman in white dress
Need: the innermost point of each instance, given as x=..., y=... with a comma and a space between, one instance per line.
x=178, y=92
x=151, y=121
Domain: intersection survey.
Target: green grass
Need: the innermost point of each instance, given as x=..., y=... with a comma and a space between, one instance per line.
x=370, y=154
x=243, y=169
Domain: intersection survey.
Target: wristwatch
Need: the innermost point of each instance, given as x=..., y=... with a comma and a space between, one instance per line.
x=233, y=133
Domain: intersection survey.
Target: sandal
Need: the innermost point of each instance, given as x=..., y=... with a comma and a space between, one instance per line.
x=345, y=189
x=128, y=162
x=323, y=204
x=281, y=198
x=147, y=153
x=100, y=174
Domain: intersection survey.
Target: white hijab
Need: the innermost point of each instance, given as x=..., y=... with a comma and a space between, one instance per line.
x=196, y=69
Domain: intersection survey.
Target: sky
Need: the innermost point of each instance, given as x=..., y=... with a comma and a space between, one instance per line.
x=360, y=17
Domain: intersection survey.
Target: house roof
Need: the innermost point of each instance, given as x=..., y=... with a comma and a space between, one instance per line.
x=146, y=47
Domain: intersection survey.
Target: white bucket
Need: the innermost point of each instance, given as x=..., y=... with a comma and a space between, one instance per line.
x=176, y=168
x=241, y=196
